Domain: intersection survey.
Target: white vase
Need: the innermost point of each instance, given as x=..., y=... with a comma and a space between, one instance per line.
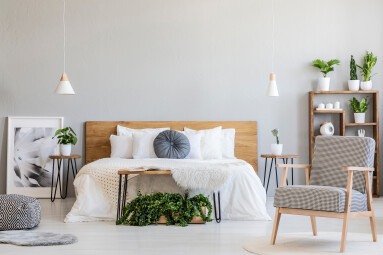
x=353, y=85
x=366, y=85
x=360, y=117
x=324, y=83
x=327, y=128
x=65, y=149
x=276, y=149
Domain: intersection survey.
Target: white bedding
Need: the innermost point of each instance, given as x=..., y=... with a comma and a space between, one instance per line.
x=242, y=195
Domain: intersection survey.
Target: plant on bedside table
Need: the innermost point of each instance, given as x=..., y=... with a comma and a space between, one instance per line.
x=178, y=210
x=359, y=109
x=66, y=137
x=276, y=148
x=325, y=68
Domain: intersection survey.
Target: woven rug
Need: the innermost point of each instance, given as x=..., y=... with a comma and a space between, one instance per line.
x=33, y=238
x=306, y=243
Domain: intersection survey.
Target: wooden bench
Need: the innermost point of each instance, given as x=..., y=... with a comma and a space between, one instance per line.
x=123, y=190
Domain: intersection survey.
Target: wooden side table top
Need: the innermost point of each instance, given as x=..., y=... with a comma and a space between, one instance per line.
x=279, y=156
x=64, y=157
x=127, y=171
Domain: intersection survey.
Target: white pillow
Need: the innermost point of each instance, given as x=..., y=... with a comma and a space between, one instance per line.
x=195, y=145
x=228, y=143
x=211, y=142
x=128, y=131
x=121, y=146
x=143, y=145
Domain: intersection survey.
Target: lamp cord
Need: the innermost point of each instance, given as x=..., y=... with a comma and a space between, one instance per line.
x=64, y=33
x=272, y=36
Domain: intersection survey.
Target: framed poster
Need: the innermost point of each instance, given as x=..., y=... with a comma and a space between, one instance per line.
x=30, y=142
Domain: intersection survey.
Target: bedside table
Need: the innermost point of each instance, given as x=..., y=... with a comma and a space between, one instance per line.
x=60, y=160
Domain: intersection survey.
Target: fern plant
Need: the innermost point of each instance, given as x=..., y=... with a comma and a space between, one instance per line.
x=359, y=107
x=353, y=75
x=178, y=210
x=325, y=67
x=369, y=62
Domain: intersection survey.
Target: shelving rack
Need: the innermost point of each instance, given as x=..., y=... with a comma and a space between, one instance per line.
x=343, y=125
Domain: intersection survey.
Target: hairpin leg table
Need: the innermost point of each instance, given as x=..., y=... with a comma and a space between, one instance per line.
x=285, y=160
x=71, y=163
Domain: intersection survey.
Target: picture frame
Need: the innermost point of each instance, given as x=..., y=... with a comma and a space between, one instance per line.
x=30, y=143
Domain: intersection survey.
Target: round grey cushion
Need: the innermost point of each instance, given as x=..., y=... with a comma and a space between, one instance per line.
x=171, y=144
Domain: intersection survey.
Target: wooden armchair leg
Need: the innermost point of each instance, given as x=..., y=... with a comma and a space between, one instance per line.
x=344, y=234
x=314, y=225
x=275, y=227
x=373, y=227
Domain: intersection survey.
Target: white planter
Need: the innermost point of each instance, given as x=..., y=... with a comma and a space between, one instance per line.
x=276, y=149
x=324, y=83
x=327, y=128
x=65, y=149
x=366, y=85
x=360, y=117
x=353, y=85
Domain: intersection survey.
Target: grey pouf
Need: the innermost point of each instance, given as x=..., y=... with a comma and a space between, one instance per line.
x=19, y=212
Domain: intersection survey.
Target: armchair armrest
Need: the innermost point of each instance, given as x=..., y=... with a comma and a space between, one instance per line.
x=358, y=168
x=285, y=171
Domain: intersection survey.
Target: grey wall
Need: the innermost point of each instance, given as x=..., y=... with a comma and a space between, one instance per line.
x=179, y=60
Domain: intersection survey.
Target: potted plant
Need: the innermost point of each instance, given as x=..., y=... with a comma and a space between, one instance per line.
x=359, y=109
x=66, y=137
x=276, y=148
x=353, y=83
x=368, y=63
x=325, y=68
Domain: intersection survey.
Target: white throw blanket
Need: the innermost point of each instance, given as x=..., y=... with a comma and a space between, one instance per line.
x=101, y=180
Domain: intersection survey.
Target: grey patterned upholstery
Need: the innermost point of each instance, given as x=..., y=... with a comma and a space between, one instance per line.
x=320, y=198
x=328, y=182
x=19, y=212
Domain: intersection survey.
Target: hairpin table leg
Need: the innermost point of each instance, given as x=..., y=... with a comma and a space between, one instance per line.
x=119, y=198
x=217, y=215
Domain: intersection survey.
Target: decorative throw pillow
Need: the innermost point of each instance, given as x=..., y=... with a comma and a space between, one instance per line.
x=171, y=144
x=121, y=146
x=195, y=145
x=228, y=143
x=143, y=145
x=129, y=131
x=211, y=142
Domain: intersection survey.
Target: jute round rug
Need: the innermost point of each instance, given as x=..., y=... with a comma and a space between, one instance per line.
x=323, y=243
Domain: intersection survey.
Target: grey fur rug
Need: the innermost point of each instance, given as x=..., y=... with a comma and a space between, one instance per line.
x=32, y=238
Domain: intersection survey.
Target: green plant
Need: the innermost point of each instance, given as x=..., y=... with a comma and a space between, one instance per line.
x=353, y=75
x=66, y=136
x=368, y=63
x=275, y=133
x=325, y=67
x=178, y=210
x=359, y=107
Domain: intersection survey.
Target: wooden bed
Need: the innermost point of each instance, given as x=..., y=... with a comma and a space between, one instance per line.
x=97, y=133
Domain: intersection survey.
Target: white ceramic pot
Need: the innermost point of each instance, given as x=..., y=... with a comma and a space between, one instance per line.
x=65, y=149
x=353, y=85
x=360, y=117
x=327, y=128
x=324, y=83
x=276, y=149
x=366, y=85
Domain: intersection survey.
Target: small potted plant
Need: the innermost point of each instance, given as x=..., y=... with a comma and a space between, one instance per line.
x=353, y=83
x=368, y=63
x=66, y=137
x=359, y=109
x=325, y=68
x=276, y=148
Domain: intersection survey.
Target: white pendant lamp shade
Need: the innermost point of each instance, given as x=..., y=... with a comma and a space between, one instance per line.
x=272, y=89
x=64, y=87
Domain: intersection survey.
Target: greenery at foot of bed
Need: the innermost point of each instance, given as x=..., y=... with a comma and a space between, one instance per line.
x=178, y=210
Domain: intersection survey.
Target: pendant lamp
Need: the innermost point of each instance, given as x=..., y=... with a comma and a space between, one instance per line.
x=272, y=89
x=64, y=87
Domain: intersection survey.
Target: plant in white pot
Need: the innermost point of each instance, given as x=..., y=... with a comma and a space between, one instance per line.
x=359, y=109
x=325, y=68
x=353, y=83
x=66, y=137
x=368, y=63
x=276, y=148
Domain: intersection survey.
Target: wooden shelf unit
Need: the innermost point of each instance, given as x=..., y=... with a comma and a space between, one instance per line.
x=375, y=125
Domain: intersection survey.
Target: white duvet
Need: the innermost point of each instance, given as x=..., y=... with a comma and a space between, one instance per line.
x=242, y=194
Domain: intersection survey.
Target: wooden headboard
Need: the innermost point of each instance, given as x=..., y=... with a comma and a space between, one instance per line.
x=98, y=132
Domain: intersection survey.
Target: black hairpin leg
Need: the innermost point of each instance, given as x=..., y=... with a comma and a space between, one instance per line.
x=217, y=214
x=63, y=196
x=265, y=173
x=119, y=197
x=53, y=194
x=122, y=197
x=271, y=167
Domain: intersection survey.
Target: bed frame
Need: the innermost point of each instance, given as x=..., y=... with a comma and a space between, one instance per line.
x=97, y=133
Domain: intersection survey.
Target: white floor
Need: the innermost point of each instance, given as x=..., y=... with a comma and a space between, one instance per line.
x=211, y=238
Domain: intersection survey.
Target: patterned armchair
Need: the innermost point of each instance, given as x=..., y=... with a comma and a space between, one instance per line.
x=338, y=184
